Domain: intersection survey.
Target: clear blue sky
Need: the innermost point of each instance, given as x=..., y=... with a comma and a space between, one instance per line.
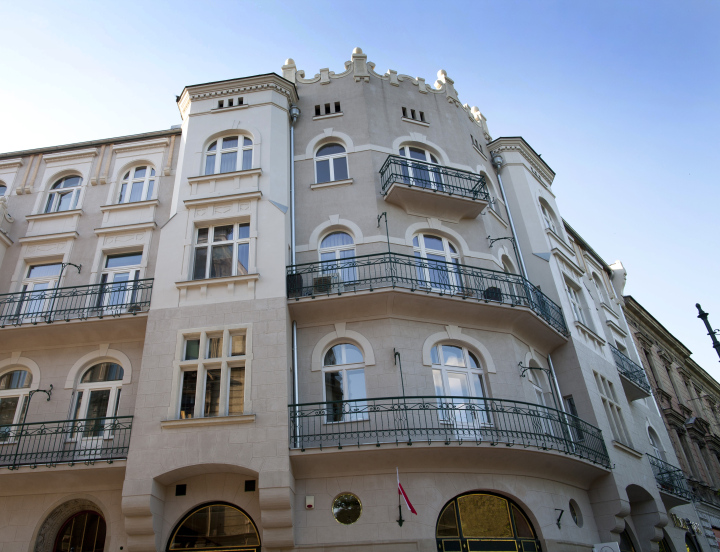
x=621, y=98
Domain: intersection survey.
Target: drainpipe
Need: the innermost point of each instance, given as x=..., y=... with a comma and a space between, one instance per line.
x=294, y=114
x=497, y=161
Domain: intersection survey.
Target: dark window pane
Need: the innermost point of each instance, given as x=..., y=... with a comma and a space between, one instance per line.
x=230, y=142
x=341, y=170
x=71, y=181
x=215, y=527
x=97, y=409
x=105, y=371
x=17, y=379
x=323, y=171
x=187, y=398
x=140, y=172
x=334, y=392
x=65, y=202
x=228, y=162
x=214, y=347
x=330, y=149
x=238, y=345
x=223, y=233
x=247, y=141
x=221, y=261
x=8, y=406
x=136, y=192
x=199, y=268
x=345, y=353
x=210, y=164
x=432, y=242
x=236, y=403
x=42, y=271
x=416, y=153
x=202, y=236
x=123, y=190
x=212, y=393
x=212, y=146
x=242, y=258
x=129, y=259
x=247, y=160
x=149, y=194
x=192, y=349
x=336, y=239
x=243, y=231
x=447, y=524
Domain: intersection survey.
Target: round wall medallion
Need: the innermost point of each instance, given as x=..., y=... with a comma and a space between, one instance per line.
x=346, y=508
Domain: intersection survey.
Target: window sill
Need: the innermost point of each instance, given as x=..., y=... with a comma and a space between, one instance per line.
x=421, y=123
x=480, y=152
x=56, y=214
x=590, y=333
x=130, y=205
x=225, y=198
x=217, y=281
x=627, y=449
x=345, y=182
x=229, y=108
x=327, y=116
x=221, y=176
x=204, y=422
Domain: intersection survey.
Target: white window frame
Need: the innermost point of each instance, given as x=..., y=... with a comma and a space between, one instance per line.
x=435, y=178
x=53, y=200
x=613, y=411
x=28, y=287
x=331, y=161
x=348, y=274
x=575, y=302
x=107, y=279
x=344, y=369
x=22, y=394
x=81, y=403
x=547, y=217
x=128, y=181
x=225, y=363
x=450, y=255
x=219, y=150
x=475, y=377
x=210, y=244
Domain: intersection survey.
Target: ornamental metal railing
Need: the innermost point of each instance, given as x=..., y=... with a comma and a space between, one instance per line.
x=407, y=420
x=382, y=270
x=78, y=302
x=71, y=442
x=630, y=369
x=411, y=172
x=669, y=478
x=703, y=493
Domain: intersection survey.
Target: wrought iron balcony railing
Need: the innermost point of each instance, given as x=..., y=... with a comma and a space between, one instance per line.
x=65, y=442
x=78, y=302
x=703, y=493
x=396, y=420
x=382, y=270
x=411, y=172
x=669, y=478
x=630, y=370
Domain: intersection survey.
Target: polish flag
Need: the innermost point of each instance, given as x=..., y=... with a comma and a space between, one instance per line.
x=401, y=492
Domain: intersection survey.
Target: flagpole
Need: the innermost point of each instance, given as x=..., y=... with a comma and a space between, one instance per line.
x=400, y=520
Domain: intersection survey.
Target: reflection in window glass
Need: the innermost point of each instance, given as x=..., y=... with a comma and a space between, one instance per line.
x=129, y=259
x=17, y=379
x=105, y=371
x=192, y=349
x=344, y=353
x=187, y=399
x=215, y=527
x=236, y=403
x=215, y=349
x=212, y=393
x=44, y=271
x=238, y=345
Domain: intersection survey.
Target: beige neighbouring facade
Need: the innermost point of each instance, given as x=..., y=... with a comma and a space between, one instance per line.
x=252, y=321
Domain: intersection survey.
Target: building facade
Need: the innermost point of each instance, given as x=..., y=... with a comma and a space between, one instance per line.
x=246, y=331
x=688, y=398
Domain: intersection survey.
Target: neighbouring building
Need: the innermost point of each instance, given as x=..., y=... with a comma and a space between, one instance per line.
x=239, y=333
x=689, y=399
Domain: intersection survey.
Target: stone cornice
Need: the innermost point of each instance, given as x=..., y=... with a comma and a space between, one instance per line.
x=518, y=144
x=130, y=206
x=69, y=155
x=149, y=144
x=223, y=176
x=225, y=198
x=125, y=228
x=54, y=214
x=11, y=163
x=49, y=237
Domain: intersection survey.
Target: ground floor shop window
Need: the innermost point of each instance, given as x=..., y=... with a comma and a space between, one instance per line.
x=83, y=532
x=216, y=527
x=484, y=521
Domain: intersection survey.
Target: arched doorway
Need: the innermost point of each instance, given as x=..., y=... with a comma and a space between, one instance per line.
x=82, y=532
x=215, y=526
x=484, y=521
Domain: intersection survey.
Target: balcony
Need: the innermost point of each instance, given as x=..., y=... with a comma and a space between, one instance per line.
x=432, y=421
x=75, y=303
x=671, y=482
x=633, y=377
x=69, y=442
x=708, y=495
x=464, y=284
x=426, y=189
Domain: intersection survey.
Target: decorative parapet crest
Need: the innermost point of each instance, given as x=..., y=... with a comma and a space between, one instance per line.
x=361, y=69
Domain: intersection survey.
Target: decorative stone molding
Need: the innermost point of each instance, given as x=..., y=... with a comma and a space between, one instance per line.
x=136, y=146
x=341, y=334
x=102, y=354
x=64, y=156
x=45, y=538
x=334, y=222
x=16, y=361
x=537, y=166
x=454, y=334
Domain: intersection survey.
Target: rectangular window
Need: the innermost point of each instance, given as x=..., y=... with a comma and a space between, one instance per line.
x=612, y=410
x=230, y=102
x=337, y=107
x=404, y=112
x=327, y=109
x=221, y=251
x=220, y=104
x=412, y=114
x=574, y=422
x=240, y=101
x=345, y=385
x=575, y=303
x=213, y=373
x=422, y=116
x=317, y=111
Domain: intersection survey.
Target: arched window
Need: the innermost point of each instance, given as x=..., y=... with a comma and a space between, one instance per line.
x=14, y=390
x=422, y=172
x=655, y=444
x=543, y=422
x=331, y=163
x=83, y=532
x=333, y=249
x=485, y=522
x=600, y=288
x=548, y=216
x=222, y=155
x=458, y=373
x=98, y=397
x=344, y=380
x=440, y=267
x=137, y=185
x=216, y=527
x=64, y=194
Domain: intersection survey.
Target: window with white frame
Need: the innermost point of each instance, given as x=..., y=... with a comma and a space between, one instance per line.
x=547, y=217
x=221, y=251
x=440, y=267
x=333, y=249
x=658, y=452
x=576, y=303
x=35, y=287
x=600, y=288
x=212, y=377
x=229, y=154
x=457, y=372
x=63, y=195
x=331, y=163
x=138, y=184
x=119, y=278
x=98, y=397
x=344, y=380
x=612, y=409
x=14, y=391
x=422, y=174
